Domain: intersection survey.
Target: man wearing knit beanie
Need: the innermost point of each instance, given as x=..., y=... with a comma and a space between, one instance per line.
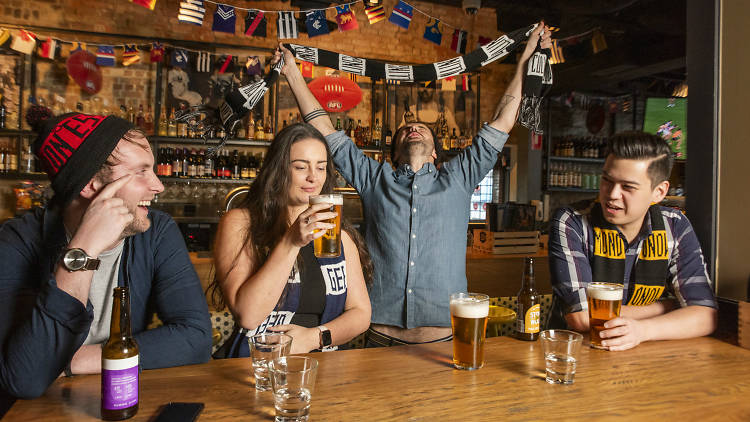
x=60, y=263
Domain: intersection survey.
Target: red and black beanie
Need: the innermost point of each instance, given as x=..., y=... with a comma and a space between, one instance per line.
x=73, y=147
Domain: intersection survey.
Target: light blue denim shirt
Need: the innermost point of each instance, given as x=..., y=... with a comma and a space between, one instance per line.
x=415, y=226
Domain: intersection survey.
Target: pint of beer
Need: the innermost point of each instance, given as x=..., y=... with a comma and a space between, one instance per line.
x=469, y=321
x=329, y=245
x=604, y=304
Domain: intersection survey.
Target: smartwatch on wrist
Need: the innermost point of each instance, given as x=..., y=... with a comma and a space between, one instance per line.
x=325, y=336
x=76, y=259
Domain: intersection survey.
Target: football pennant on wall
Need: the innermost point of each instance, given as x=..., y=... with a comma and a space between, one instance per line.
x=50, y=49
x=191, y=11
x=345, y=18
x=75, y=46
x=179, y=58
x=24, y=42
x=203, y=62
x=375, y=14
x=316, y=23
x=401, y=15
x=458, y=44
x=105, y=55
x=432, y=33
x=287, y=25
x=148, y=4
x=130, y=56
x=4, y=37
x=224, y=19
x=255, y=24
x=157, y=52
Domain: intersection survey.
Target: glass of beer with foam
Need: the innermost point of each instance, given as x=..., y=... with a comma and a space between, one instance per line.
x=329, y=245
x=469, y=313
x=604, y=304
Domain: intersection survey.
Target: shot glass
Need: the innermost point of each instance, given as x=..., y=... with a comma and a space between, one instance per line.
x=560, y=349
x=293, y=382
x=264, y=348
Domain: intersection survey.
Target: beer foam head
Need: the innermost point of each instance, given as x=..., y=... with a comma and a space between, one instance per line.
x=469, y=307
x=604, y=291
x=334, y=199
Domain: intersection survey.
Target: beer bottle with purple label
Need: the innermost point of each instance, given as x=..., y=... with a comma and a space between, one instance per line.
x=529, y=308
x=120, y=363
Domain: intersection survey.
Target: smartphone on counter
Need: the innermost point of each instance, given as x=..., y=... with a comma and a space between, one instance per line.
x=179, y=412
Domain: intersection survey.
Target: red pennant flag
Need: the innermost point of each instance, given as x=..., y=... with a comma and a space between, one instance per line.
x=465, y=82
x=307, y=69
x=536, y=141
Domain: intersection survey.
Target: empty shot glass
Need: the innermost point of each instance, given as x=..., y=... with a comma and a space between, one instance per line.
x=560, y=349
x=263, y=349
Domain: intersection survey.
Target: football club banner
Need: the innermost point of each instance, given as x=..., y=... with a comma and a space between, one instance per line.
x=316, y=23
x=458, y=44
x=255, y=23
x=130, y=56
x=24, y=42
x=179, y=58
x=157, y=52
x=192, y=11
x=375, y=14
x=49, y=49
x=345, y=18
x=432, y=33
x=105, y=55
x=401, y=15
x=224, y=19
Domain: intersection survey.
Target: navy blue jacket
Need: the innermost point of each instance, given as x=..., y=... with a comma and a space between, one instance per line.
x=41, y=326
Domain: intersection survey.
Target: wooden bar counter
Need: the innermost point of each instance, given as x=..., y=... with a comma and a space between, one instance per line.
x=694, y=379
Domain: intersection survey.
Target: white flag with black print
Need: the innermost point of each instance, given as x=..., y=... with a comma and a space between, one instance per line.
x=287, y=25
x=203, y=62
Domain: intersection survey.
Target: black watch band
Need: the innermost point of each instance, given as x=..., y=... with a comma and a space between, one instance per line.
x=325, y=336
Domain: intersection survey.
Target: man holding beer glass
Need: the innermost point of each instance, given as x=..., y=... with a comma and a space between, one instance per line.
x=416, y=214
x=625, y=267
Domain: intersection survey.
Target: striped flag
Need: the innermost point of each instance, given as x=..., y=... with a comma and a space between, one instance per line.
x=225, y=64
x=203, y=62
x=224, y=19
x=375, y=14
x=148, y=4
x=255, y=23
x=130, y=56
x=191, y=11
x=458, y=44
x=557, y=53
x=105, y=55
x=157, y=52
x=465, y=82
x=49, y=49
x=287, y=25
x=402, y=14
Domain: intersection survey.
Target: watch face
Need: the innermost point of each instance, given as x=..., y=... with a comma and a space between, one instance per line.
x=326, y=337
x=74, y=259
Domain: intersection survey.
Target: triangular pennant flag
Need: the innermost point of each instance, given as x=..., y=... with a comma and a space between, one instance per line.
x=557, y=53
x=224, y=19
x=458, y=44
x=375, y=14
x=402, y=14
x=226, y=63
x=49, y=49
x=287, y=25
x=307, y=69
x=105, y=55
x=179, y=58
x=432, y=32
x=149, y=4
x=253, y=66
x=203, y=62
x=157, y=52
x=598, y=43
x=316, y=23
x=483, y=41
x=75, y=46
x=192, y=11
x=4, y=37
x=131, y=55
x=255, y=24
x=345, y=18
x=448, y=84
x=24, y=42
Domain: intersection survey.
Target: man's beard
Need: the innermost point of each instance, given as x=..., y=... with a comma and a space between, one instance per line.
x=137, y=225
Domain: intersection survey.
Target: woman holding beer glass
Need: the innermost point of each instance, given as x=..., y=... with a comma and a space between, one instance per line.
x=265, y=266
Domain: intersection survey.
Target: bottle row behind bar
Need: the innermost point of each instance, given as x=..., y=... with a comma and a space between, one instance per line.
x=196, y=163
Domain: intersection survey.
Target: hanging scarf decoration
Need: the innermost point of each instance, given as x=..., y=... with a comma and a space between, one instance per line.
x=536, y=85
x=240, y=101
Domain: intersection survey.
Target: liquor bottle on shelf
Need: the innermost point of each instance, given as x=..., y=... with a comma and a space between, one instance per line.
x=162, y=131
x=3, y=112
x=27, y=160
x=148, y=121
x=388, y=137
x=377, y=133
x=454, y=140
x=120, y=359
x=358, y=138
x=208, y=166
x=235, y=168
x=221, y=133
x=338, y=123
x=268, y=129
x=3, y=153
x=182, y=128
x=172, y=125
x=192, y=164
x=529, y=307
x=140, y=119
x=244, y=166
x=131, y=115
x=168, y=160
x=185, y=163
x=250, y=127
x=445, y=140
x=176, y=163
x=260, y=133
x=350, y=130
x=252, y=166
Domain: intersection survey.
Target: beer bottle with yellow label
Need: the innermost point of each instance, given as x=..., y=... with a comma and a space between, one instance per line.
x=120, y=363
x=529, y=308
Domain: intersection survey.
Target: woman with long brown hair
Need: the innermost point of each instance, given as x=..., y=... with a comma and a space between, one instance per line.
x=265, y=266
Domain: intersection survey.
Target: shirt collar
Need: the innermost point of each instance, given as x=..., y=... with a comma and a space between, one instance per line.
x=405, y=170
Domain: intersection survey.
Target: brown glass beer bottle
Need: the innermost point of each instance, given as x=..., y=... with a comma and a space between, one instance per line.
x=120, y=361
x=529, y=308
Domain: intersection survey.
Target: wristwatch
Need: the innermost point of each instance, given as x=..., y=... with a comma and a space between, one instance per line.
x=76, y=259
x=325, y=336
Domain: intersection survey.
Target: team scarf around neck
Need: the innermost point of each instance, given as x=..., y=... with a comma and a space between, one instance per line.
x=536, y=82
x=651, y=268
